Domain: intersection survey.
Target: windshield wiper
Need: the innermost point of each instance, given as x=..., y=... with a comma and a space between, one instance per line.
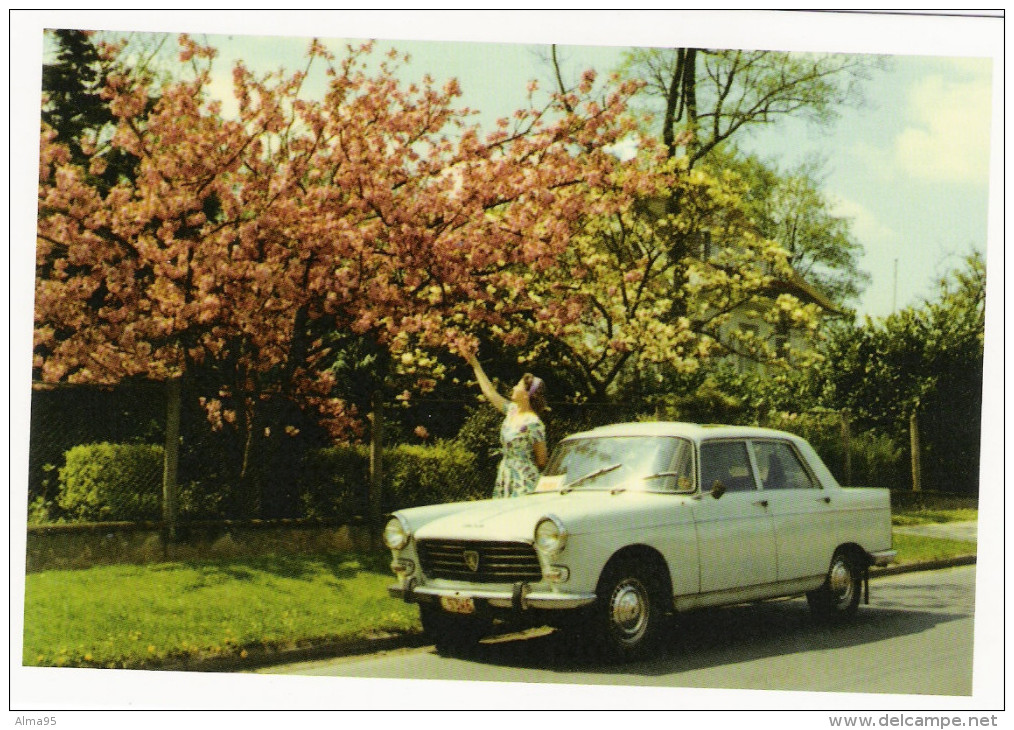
x=659, y=475
x=590, y=475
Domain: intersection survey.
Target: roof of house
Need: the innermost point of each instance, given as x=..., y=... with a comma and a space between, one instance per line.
x=800, y=287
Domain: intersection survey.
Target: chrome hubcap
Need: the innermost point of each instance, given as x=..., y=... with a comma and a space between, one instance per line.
x=840, y=581
x=628, y=610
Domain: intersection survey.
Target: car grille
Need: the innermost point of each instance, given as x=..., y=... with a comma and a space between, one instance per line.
x=498, y=562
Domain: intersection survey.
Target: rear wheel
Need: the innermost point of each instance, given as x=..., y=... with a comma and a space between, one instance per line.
x=838, y=598
x=452, y=634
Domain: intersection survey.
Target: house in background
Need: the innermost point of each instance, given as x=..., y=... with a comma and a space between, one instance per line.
x=749, y=317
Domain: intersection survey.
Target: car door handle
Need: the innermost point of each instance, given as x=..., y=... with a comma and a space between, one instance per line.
x=762, y=503
x=825, y=500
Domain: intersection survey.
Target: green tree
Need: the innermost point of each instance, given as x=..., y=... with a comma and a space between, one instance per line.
x=924, y=359
x=79, y=68
x=667, y=281
x=789, y=207
x=708, y=96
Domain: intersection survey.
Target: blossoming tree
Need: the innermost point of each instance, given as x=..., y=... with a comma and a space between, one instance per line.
x=242, y=238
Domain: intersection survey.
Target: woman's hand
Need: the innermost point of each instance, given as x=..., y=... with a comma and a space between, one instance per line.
x=498, y=401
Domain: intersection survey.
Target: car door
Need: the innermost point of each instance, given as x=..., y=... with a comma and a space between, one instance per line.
x=801, y=512
x=735, y=534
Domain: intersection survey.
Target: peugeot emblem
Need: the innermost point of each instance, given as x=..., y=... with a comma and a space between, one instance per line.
x=472, y=559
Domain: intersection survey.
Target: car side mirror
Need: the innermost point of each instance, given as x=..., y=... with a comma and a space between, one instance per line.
x=717, y=489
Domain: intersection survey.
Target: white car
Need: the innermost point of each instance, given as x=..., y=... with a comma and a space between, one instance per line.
x=634, y=521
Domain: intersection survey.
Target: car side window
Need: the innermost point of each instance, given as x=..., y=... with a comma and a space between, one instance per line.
x=727, y=462
x=780, y=467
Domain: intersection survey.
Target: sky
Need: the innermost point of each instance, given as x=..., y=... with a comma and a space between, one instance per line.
x=918, y=170
x=910, y=168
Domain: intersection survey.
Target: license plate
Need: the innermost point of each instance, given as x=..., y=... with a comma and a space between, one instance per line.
x=454, y=604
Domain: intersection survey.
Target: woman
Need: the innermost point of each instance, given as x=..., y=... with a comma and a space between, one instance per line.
x=522, y=434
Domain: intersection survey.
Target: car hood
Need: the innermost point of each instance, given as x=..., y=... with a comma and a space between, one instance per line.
x=515, y=519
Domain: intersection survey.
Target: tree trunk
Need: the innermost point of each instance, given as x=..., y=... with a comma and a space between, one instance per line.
x=376, y=466
x=171, y=458
x=690, y=99
x=673, y=106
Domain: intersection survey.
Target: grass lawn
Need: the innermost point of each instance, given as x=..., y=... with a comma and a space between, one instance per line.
x=917, y=548
x=927, y=516
x=141, y=616
x=135, y=616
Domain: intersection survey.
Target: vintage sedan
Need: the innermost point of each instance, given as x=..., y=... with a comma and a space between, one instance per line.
x=631, y=522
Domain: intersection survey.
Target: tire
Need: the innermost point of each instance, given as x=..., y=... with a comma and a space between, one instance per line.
x=628, y=615
x=451, y=634
x=838, y=598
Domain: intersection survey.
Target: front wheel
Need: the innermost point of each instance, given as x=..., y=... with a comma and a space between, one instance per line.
x=838, y=598
x=628, y=614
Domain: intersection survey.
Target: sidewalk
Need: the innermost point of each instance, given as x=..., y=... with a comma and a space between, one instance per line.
x=967, y=531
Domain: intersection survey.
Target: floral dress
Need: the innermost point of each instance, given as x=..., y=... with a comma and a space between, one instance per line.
x=517, y=473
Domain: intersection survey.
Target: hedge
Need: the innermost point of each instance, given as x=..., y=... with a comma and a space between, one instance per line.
x=111, y=482
x=334, y=483
x=442, y=472
x=123, y=482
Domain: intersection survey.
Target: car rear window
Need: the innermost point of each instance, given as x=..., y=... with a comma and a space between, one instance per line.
x=727, y=462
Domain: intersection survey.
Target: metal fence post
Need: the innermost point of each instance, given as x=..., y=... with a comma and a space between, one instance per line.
x=846, y=440
x=913, y=430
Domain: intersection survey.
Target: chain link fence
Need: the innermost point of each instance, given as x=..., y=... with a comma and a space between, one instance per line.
x=95, y=454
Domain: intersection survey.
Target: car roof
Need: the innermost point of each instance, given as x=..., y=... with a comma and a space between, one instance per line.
x=693, y=431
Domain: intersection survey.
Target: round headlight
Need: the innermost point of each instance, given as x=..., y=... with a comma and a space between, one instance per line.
x=396, y=534
x=550, y=536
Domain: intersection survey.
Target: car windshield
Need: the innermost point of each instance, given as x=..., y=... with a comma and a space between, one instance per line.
x=648, y=463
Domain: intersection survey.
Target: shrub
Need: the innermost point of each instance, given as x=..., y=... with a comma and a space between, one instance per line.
x=41, y=511
x=877, y=461
x=123, y=482
x=199, y=501
x=111, y=482
x=480, y=436
x=334, y=482
x=442, y=472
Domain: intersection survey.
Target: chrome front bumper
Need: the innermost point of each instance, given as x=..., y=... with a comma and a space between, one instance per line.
x=518, y=598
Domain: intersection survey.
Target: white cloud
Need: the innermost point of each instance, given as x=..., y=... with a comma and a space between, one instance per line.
x=948, y=138
x=865, y=224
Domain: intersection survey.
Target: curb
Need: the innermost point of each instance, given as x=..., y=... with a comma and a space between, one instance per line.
x=258, y=657
x=263, y=656
x=926, y=565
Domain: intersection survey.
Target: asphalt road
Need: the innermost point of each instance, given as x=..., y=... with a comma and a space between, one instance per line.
x=915, y=637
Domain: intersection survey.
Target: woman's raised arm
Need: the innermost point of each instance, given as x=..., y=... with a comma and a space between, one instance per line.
x=485, y=386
